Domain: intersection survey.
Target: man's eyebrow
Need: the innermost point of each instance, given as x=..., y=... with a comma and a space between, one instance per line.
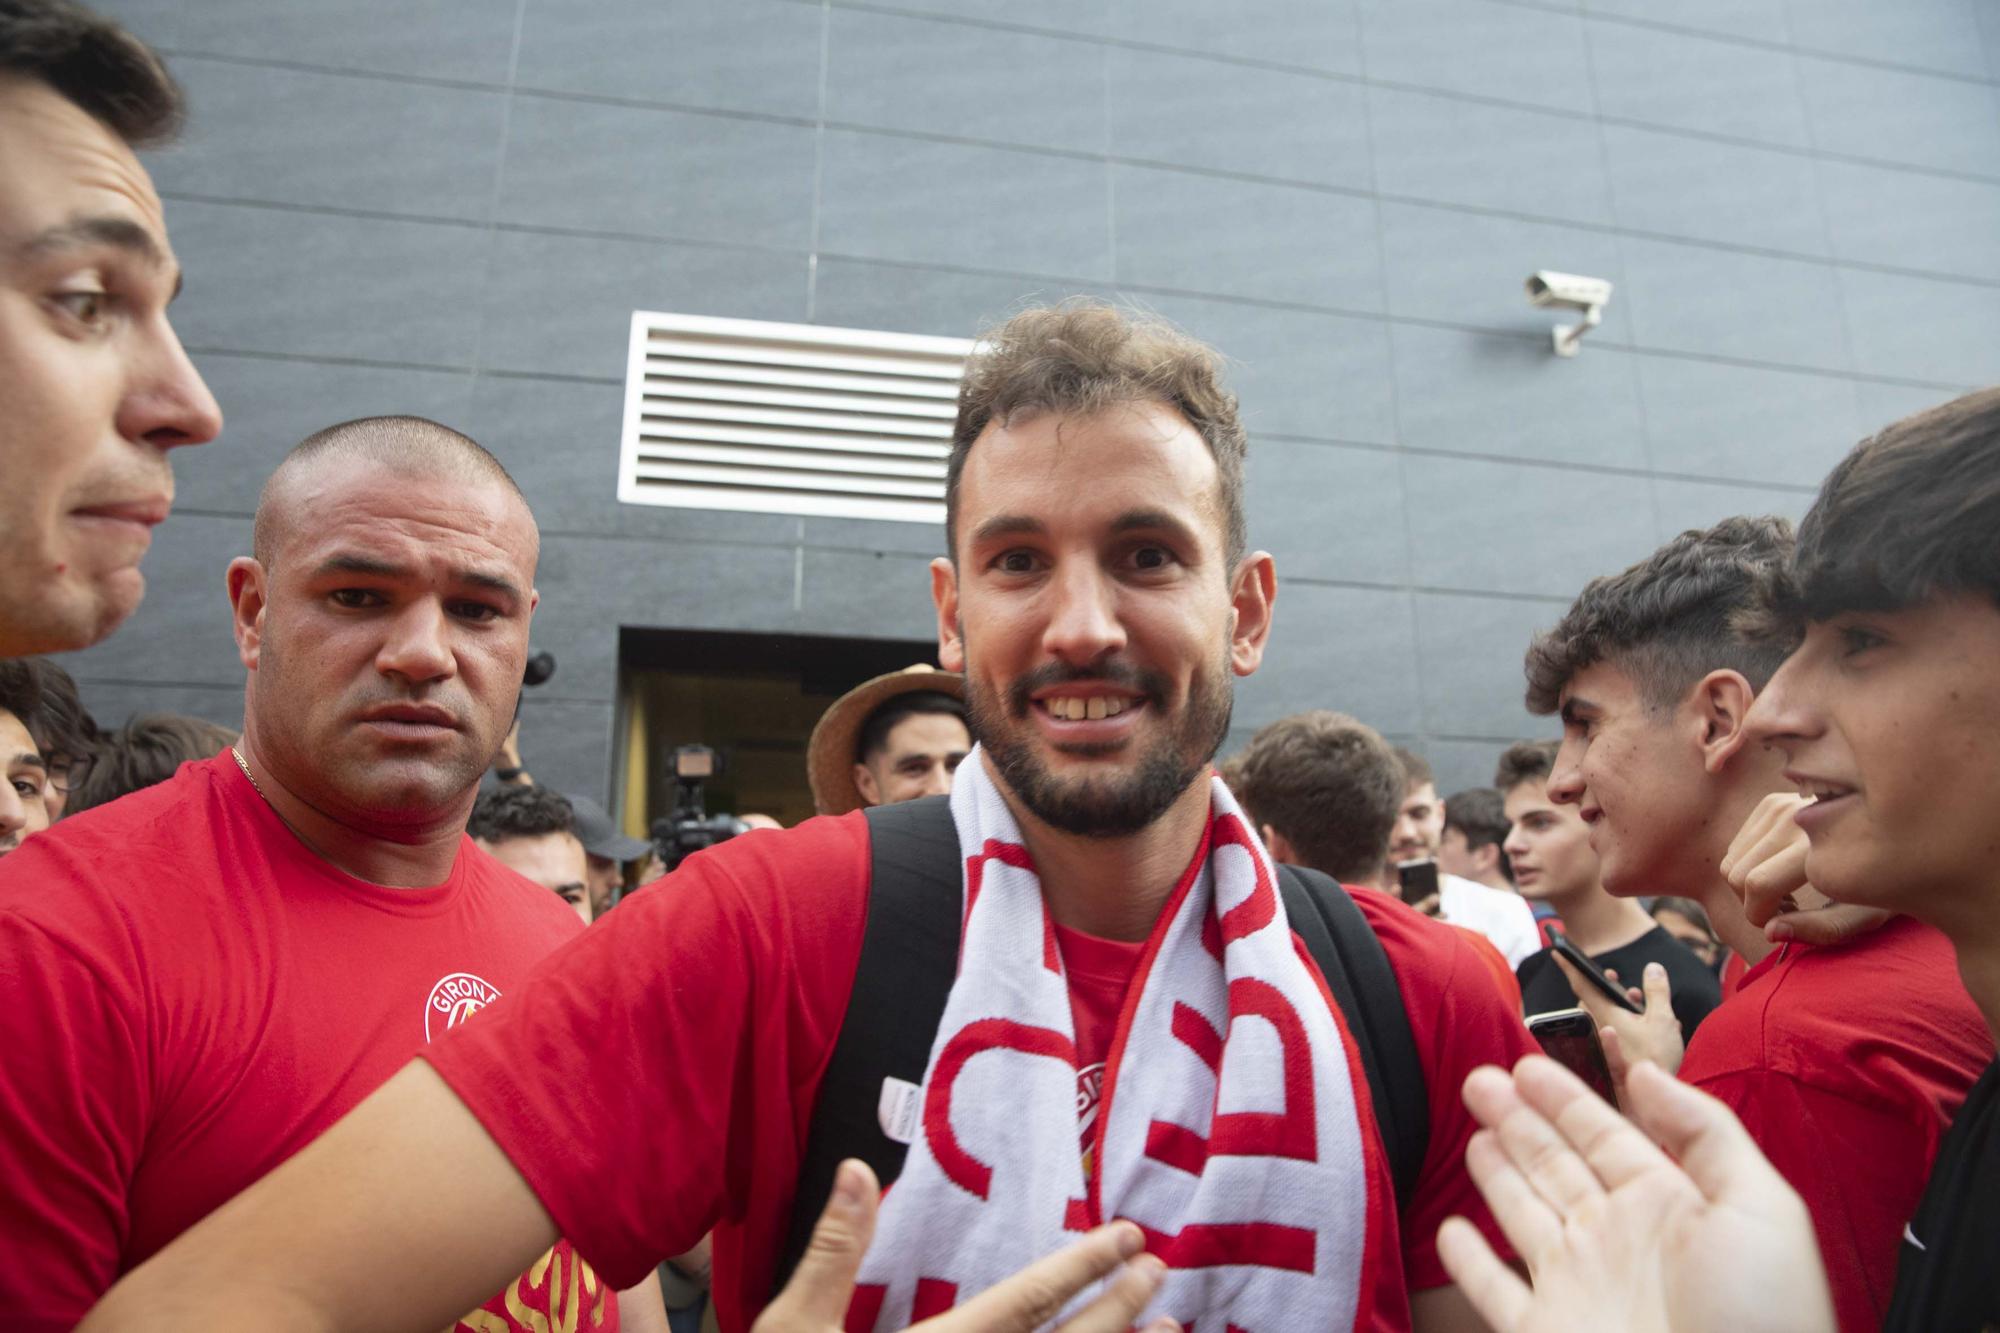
x=1158, y=520
x=1009, y=525
x=28, y=759
x=116, y=232
x=371, y=567
x=1574, y=707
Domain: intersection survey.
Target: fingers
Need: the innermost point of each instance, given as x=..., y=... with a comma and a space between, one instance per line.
x=1531, y=1146
x=1767, y=828
x=1615, y=1059
x=1599, y=1140
x=1766, y=883
x=1113, y=1312
x=1826, y=925
x=1710, y=1144
x=1036, y=1294
x=1494, y=1289
x=818, y=1293
x=1525, y=1217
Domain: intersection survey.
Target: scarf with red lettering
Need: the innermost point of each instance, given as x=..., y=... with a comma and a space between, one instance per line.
x=1230, y=1128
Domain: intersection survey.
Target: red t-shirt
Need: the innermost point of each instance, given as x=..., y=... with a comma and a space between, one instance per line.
x=188, y=996
x=718, y=993
x=1846, y=1065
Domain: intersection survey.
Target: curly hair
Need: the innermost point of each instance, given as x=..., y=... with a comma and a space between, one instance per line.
x=520, y=810
x=1082, y=356
x=1673, y=617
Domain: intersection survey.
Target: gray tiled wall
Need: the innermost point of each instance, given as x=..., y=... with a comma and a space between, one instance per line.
x=450, y=207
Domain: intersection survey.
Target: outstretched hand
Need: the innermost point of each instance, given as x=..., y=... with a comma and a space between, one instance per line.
x=816, y=1299
x=1614, y=1233
x=1766, y=863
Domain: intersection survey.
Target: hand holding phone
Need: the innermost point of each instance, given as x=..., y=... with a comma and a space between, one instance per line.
x=1594, y=974
x=1417, y=882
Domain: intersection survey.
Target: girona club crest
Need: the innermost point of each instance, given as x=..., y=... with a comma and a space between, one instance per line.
x=453, y=1000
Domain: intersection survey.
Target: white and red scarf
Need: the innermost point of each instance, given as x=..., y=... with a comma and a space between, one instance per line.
x=1229, y=1128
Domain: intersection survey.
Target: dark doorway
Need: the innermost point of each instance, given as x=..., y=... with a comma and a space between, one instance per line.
x=753, y=698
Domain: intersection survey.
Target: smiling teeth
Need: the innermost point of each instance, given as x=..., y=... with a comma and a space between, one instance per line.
x=1094, y=708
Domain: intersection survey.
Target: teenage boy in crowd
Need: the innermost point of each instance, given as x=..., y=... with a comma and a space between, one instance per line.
x=1550, y=848
x=898, y=737
x=532, y=831
x=1475, y=826
x=1418, y=835
x=96, y=387
x=1887, y=714
x=1095, y=524
x=1868, y=1047
x=195, y=981
x=23, y=807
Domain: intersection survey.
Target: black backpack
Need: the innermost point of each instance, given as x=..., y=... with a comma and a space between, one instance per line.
x=909, y=958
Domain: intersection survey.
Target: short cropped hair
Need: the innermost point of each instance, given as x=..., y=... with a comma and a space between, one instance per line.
x=1688, y=908
x=1479, y=814
x=520, y=810
x=108, y=73
x=1672, y=618
x=1525, y=761
x=1912, y=513
x=875, y=731
x=1331, y=785
x=146, y=751
x=1083, y=356
x=1416, y=769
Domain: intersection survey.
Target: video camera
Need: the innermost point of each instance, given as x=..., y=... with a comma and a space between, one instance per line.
x=690, y=827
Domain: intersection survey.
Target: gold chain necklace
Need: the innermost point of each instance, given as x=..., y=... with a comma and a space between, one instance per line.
x=238, y=755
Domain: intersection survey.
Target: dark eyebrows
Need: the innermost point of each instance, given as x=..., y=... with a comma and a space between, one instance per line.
x=28, y=759
x=1008, y=525
x=370, y=567
x=1152, y=520
x=118, y=233
x=1573, y=709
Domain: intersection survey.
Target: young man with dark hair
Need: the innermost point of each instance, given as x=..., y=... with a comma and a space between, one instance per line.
x=145, y=752
x=23, y=808
x=1873, y=1042
x=1324, y=790
x=1501, y=915
x=532, y=831
x=96, y=386
x=1550, y=847
x=1472, y=843
x=1887, y=714
x=1116, y=912
x=897, y=737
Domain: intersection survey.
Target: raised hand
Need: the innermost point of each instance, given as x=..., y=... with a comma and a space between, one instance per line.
x=1766, y=863
x=1614, y=1233
x=815, y=1300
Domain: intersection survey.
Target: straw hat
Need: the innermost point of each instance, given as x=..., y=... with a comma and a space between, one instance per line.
x=830, y=752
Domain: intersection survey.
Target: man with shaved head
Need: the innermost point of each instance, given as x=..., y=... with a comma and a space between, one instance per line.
x=196, y=980
x=96, y=387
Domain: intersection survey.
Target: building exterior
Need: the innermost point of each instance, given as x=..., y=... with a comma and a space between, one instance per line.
x=452, y=207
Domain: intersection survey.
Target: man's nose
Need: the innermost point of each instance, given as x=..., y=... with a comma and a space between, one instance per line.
x=13, y=811
x=418, y=647
x=937, y=780
x=1083, y=624
x=167, y=404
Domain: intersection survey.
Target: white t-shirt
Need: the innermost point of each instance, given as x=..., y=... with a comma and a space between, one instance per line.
x=1502, y=917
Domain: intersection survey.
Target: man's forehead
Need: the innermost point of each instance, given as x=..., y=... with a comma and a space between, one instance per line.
x=58, y=162
x=432, y=517
x=1137, y=443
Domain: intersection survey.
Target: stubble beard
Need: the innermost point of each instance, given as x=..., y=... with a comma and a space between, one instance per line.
x=1118, y=804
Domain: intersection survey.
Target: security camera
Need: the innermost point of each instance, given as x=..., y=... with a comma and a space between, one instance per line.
x=1570, y=291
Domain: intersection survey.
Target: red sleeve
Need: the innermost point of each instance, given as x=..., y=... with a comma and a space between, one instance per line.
x=1460, y=1021
x=72, y=1121
x=1859, y=1165
x=654, y=1077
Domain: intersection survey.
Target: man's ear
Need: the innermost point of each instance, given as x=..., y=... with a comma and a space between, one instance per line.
x=944, y=595
x=1720, y=701
x=864, y=782
x=1252, y=596
x=247, y=582
x=1486, y=858
x=1278, y=845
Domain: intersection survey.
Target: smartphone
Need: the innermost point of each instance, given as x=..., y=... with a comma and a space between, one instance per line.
x=1569, y=1037
x=1418, y=880
x=1594, y=974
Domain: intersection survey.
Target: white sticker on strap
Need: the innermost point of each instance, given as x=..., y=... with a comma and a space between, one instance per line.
x=900, y=1109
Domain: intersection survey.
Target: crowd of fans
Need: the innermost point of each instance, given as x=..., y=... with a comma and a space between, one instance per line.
x=345, y=1021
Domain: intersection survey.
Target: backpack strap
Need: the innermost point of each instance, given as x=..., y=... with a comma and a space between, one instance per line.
x=909, y=958
x=1352, y=960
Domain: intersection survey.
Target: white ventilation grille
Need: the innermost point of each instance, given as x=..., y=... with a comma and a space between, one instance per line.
x=788, y=418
